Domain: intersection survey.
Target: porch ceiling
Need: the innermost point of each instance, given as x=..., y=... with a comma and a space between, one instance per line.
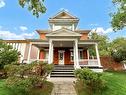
x=41, y=45
x=63, y=43
x=85, y=45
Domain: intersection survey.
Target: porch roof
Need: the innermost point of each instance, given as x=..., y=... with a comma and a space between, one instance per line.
x=89, y=40
x=39, y=31
x=36, y=40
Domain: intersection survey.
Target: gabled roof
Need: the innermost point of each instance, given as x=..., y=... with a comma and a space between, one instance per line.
x=82, y=31
x=63, y=15
x=42, y=31
x=63, y=32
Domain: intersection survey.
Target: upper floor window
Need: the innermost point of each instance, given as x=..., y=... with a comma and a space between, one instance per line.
x=56, y=27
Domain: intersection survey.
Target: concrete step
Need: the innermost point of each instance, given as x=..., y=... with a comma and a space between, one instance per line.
x=62, y=75
x=63, y=70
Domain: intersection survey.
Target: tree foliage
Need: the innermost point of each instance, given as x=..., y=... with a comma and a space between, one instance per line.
x=37, y=7
x=119, y=16
x=102, y=45
x=7, y=54
x=118, y=49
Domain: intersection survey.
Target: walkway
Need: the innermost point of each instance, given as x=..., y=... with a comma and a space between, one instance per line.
x=63, y=86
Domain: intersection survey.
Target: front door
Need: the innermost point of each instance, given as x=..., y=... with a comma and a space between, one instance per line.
x=61, y=57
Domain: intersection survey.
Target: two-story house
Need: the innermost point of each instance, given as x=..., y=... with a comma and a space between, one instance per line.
x=62, y=44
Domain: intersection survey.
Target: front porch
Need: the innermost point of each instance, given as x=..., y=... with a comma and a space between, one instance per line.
x=66, y=52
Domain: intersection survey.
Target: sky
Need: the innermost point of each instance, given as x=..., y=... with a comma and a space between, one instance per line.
x=19, y=23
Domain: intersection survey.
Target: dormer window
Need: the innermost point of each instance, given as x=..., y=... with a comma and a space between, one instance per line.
x=56, y=27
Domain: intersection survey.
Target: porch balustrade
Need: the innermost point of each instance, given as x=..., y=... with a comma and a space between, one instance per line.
x=88, y=62
x=43, y=60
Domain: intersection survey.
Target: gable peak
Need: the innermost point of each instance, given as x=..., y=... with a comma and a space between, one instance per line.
x=63, y=14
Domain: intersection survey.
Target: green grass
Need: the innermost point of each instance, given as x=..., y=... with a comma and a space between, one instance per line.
x=45, y=90
x=115, y=81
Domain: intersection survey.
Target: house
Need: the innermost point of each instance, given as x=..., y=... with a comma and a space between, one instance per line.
x=62, y=44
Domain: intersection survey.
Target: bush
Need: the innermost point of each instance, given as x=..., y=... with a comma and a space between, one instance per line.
x=24, y=77
x=92, y=80
x=8, y=55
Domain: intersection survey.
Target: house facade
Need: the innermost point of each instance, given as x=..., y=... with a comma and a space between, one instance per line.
x=62, y=44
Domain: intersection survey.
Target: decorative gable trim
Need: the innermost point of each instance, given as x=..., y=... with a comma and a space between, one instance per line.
x=57, y=16
x=63, y=33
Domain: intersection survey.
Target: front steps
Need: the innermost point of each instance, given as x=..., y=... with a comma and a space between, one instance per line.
x=63, y=71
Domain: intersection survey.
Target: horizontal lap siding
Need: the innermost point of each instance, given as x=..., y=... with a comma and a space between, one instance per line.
x=67, y=56
x=55, y=59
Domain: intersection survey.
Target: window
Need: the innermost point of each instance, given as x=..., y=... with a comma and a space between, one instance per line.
x=71, y=56
x=46, y=54
x=80, y=54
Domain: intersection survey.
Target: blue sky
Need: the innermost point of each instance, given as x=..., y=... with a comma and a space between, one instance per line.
x=19, y=23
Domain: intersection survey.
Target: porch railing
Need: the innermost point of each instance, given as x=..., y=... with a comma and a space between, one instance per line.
x=88, y=62
x=32, y=60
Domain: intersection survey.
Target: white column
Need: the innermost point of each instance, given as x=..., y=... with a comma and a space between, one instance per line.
x=50, y=51
x=88, y=55
x=29, y=53
x=38, y=54
x=97, y=54
x=76, y=54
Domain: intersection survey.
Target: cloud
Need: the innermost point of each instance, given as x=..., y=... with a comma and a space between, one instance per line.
x=7, y=35
x=23, y=28
x=93, y=24
x=0, y=27
x=64, y=9
x=101, y=30
x=2, y=3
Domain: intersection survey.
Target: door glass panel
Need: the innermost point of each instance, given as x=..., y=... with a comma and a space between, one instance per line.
x=61, y=56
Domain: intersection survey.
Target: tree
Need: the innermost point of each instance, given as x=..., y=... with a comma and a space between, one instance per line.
x=118, y=49
x=103, y=43
x=119, y=17
x=7, y=54
x=35, y=6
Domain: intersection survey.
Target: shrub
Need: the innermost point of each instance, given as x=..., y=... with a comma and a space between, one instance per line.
x=24, y=77
x=92, y=80
x=7, y=54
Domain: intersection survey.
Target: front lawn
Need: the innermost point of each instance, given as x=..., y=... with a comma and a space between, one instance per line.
x=116, y=84
x=45, y=90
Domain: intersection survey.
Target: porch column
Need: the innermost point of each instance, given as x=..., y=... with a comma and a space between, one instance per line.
x=88, y=55
x=50, y=52
x=29, y=53
x=97, y=54
x=38, y=54
x=76, y=54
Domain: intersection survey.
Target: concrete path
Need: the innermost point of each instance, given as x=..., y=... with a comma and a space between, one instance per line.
x=63, y=86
